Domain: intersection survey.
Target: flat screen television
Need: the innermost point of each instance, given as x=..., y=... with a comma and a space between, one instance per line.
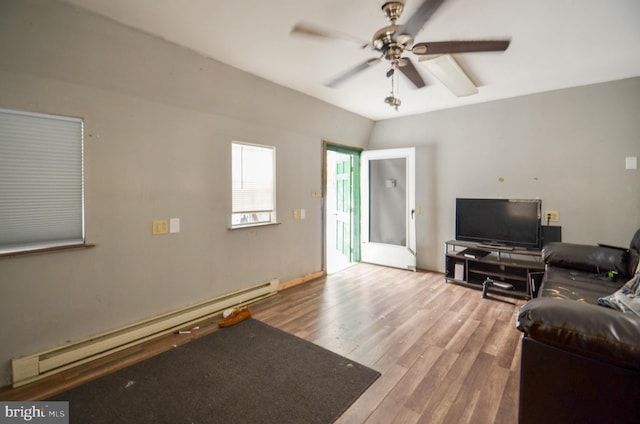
x=499, y=222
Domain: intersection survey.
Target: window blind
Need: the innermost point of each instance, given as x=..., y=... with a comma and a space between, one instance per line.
x=41, y=181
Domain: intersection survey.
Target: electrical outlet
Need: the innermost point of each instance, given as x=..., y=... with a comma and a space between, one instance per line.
x=551, y=216
x=160, y=227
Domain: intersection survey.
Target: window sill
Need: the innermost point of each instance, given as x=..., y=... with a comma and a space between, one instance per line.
x=47, y=250
x=262, y=224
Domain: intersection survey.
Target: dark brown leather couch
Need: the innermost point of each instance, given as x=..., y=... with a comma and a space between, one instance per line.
x=580, y=361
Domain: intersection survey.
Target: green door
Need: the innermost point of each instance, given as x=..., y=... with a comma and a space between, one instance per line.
x=344, y=200
x=343, y=206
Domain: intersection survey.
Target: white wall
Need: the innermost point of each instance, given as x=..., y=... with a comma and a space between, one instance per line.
x=159, y=120
x=566, y=147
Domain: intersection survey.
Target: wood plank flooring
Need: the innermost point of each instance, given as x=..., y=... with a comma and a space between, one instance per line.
x=445, y=354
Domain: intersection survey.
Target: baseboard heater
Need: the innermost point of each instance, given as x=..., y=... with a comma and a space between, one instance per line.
x=27, y=369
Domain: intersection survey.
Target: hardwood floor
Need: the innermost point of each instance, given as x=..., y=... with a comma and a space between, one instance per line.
x=445, y=354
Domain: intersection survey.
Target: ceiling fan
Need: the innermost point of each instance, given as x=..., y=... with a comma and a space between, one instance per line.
x=393, y=41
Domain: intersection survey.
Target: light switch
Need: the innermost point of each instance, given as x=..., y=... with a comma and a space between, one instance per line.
x=631, y=162
x=174, y=225
x=303, y=214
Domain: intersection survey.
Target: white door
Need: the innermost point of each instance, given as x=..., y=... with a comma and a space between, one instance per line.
x=388, y=207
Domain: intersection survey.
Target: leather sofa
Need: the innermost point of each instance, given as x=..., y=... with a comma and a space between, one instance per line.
x=580, y=360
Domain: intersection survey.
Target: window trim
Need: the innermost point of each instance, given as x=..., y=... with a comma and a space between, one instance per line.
x=51, y=249
x=273, y=212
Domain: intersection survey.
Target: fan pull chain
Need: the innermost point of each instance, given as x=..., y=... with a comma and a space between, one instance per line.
x=393, y=100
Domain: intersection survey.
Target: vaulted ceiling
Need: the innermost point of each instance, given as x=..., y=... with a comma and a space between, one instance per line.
x=554, y=44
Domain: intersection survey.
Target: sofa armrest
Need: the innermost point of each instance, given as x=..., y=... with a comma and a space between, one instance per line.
x=599, y=259
x=588, y=330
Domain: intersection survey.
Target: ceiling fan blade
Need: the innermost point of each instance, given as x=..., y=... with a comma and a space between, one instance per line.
x=309, y=30
x=409, y=70
x=444, y=47
x=352, y=72
x=419, y=17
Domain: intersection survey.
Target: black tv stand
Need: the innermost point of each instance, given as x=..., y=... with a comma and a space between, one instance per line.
x=512, y=270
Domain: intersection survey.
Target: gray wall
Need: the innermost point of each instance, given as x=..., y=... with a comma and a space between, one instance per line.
x=566, y=147
x=159, y=120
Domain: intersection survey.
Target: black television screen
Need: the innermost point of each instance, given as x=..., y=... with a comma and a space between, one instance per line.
x=506, y=222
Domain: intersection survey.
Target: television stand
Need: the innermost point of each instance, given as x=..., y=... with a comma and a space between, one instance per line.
x=496, y=247
x=511, y=271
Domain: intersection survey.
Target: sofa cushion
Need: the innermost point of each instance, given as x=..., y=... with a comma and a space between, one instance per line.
x=627, y=298
x=581, y=286
x=585, y=329
x=597, y=259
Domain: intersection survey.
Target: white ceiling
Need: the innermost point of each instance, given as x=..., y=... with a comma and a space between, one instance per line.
x=554, y=44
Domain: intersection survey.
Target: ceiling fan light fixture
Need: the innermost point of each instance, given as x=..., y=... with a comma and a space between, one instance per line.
x=393, y=101
x=446, y=69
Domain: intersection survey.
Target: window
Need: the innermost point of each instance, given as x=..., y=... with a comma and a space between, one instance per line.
x=253, y=185
x=41, y=181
